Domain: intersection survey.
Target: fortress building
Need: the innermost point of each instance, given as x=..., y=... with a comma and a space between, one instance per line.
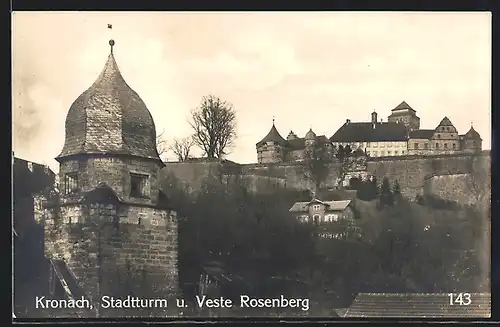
x=111, y=228
x=273, y=148
x=399, y=136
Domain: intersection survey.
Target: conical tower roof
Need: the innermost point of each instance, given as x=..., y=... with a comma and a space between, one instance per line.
x=472, y=134
x=272, y=136
x=310, y=135
x=110, y=118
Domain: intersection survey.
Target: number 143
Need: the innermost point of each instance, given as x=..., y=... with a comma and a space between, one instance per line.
x=459, y=298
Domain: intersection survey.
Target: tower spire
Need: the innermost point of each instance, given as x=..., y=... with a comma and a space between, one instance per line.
x=111, y=43
x=273, y=120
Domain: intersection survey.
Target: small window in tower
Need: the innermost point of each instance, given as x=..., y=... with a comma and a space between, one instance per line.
x=437, y=145
x=439, y=136
x=416, y=145
x=446, y=145
x=71, y=183
x=474, y=143
x=138, y=185
x=454, y=146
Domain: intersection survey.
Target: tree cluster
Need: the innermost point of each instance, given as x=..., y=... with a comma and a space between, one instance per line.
x=213, y=125
x=254, y=236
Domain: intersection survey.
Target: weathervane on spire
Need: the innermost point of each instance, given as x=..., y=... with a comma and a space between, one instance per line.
x=273, y=120
x=111, y=42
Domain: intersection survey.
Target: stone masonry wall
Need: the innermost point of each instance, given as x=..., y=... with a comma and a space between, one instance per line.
x=411, y=172
x=115, y=172
x=141, y=241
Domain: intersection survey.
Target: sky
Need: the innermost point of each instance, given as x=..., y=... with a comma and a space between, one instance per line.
x=307, y=70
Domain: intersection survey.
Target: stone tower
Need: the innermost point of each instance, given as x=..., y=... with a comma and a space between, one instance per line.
x=272, y=148
x=111, y=226
x=405, y=114
x=471, y=141
x=310, y=139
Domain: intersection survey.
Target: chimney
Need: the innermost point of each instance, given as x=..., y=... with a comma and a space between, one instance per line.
x=347, y=121
x=374, y=116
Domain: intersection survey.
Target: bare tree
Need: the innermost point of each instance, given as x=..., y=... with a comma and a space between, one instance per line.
x=182, y=148
x=316, y=165
x=161, y=145
x=214, y=125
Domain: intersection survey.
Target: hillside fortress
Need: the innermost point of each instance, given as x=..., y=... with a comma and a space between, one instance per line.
x=436, y=161
x=111, y=222
x=399, y=136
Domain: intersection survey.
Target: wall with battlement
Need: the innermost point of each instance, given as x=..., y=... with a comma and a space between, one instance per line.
x=114, y=241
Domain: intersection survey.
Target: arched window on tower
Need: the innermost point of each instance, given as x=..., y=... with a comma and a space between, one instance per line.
x=71, y=183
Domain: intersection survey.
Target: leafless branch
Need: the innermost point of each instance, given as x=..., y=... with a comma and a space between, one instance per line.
x=214, y=126
x=182, y=148
x=161, y=145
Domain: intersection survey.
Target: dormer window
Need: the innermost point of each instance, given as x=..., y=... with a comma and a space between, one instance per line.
x=71, y=183
x=139, y=185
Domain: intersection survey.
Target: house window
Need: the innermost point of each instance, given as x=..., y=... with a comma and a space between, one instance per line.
x=316, y=219
x=316, y=207
x=426, y=146
x=138, y=185
x=416, y=145
x=71, y=183
x=396, y=152
x=389, y=153
x=402, y=152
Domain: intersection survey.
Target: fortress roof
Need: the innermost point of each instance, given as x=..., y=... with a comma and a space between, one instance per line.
x=273, y=136
x=110, y=118
x=417, y=305
x=421, y=134
x=403, y=106
x=445, y=122
x=370, y=132
x=472, y=134
x=300, y=143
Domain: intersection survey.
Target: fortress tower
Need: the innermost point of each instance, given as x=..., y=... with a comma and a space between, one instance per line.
x=405, y=114
x=111, y=226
